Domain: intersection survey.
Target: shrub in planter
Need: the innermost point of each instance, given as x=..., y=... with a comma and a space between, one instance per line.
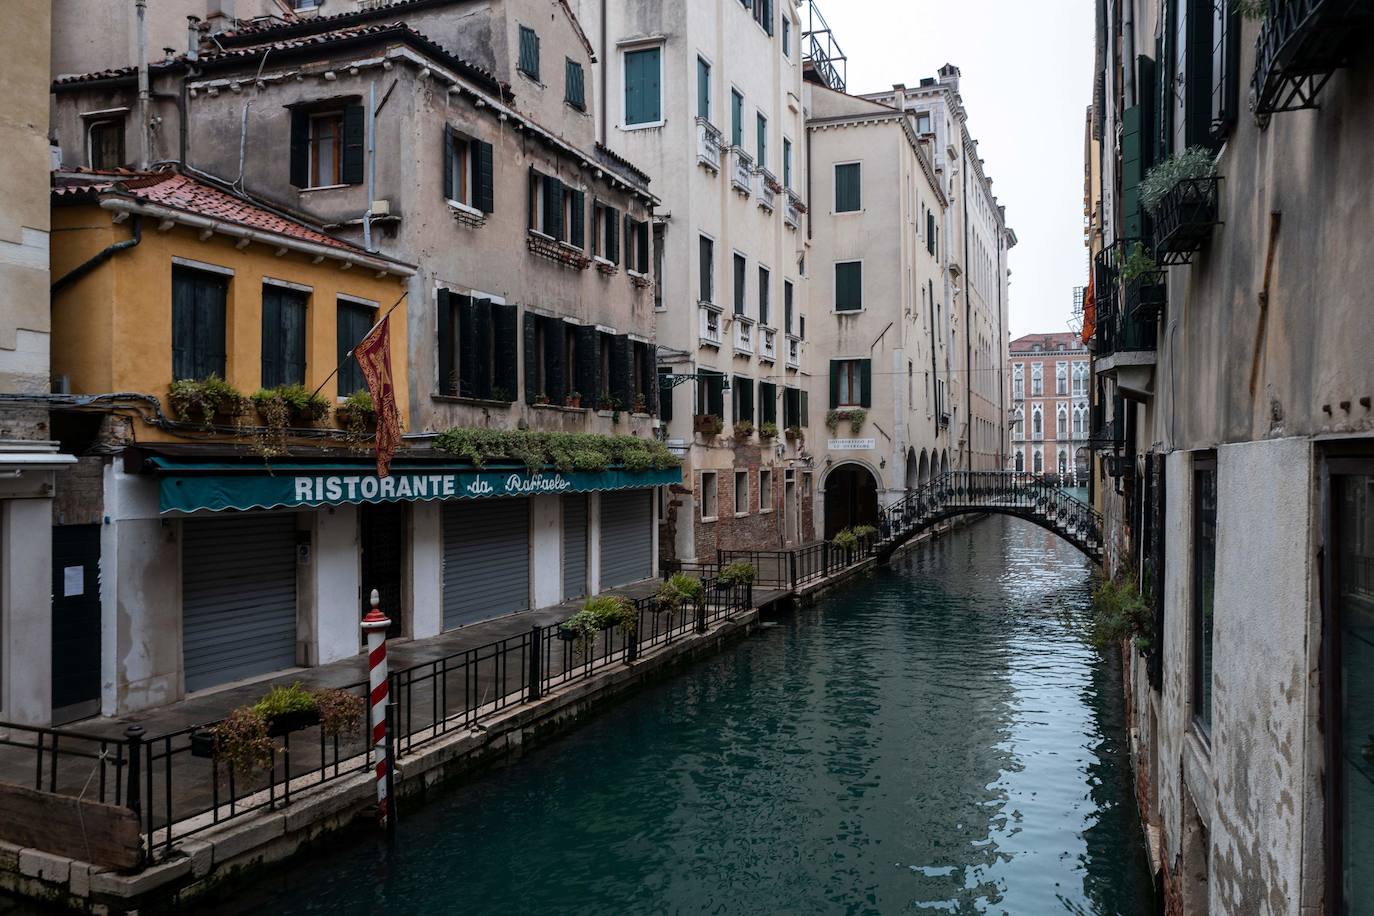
x=241, y=740
x=599, y=613
x=357, y=415
x=288, y=709
x=738, y=573
x=1119, y=612
x=768, y=430
x=854, y=416
x=1138, y=264
x=206, y=400
x=794, y=432
x=340, y=711
x=1194, y=162
x=708, y=424
x=743, y=429
x=288, y=403
x=573, y=399
x=864, y=531
x=846, y=540
x=541, y=399
x=678, y=591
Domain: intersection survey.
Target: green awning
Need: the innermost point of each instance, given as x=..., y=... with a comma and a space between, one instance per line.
x=190, y=486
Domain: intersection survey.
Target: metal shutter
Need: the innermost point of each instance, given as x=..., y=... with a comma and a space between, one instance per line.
x=486, y=560
x=574, y=546
x=238, y=606
x=626, y=537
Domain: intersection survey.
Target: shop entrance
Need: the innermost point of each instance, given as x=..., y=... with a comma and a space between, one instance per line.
x=383, y=539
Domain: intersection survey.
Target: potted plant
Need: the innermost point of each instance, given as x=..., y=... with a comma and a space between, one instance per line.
x=206, y=401
x=541, y=399
x=573, y=399
x=794, y=433
x=1194, y=162
x=846, y=540
x=744, y=429
x=769, y=430
x=1180, y=193
x=599, y=613
x=677, y=592
x=707, y=424
x=1144, y=281
x=737, y=573
x=357, y=413
x=243, y=738
x=641, y=405
x=855, y=416
x=284, y=404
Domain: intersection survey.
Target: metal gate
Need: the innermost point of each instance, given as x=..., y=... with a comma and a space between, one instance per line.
x=626, y=537
x=574, y=546
x=486, y=560
x=238, y=604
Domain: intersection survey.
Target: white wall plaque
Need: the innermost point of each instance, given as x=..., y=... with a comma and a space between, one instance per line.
x=851, y=445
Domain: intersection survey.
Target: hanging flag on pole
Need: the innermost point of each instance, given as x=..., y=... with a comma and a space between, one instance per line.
x=374, y=359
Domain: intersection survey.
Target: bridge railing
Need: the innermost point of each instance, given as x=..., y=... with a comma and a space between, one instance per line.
x=1002, y=491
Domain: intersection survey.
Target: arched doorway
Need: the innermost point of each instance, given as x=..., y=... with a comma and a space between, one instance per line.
x=944, y=463
x=923, y=475
x=913, y=478
x=851, y=498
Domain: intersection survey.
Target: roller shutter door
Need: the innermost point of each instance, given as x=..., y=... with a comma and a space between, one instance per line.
x=626, y=537
x=486, y=560
x=574, y=546
x=238, y=597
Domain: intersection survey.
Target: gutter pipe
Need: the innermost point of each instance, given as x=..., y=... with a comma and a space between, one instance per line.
x=91, y=263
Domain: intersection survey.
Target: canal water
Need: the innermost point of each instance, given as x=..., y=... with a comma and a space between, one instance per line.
x=937, y=738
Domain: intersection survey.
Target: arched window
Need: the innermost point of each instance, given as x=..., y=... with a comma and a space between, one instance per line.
x=1018, y=422
x=1020, y=461
x=1039, y=460
x=1037, y=422
x=1037, y=380
x=1061, y=423
x=1061, y=379
x=1080, y=421
x=1018, y=381
x=1080, y=380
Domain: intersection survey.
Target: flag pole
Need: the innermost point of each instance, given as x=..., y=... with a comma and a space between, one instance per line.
x=343, y=362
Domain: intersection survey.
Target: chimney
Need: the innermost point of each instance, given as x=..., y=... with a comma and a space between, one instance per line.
x=169, y=54
x=192, y=37
x=219, y=15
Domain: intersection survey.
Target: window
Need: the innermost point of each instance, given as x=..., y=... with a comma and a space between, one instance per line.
x=529, y=53
x=283, y=336
x=849, y=286
x=787, y=163
x=1018, y=423
x=1018, y=381
x=768, y=402
x=658, y=232
x=105, y=143
x=741, y=492
x=326, y=147
x=1037, y=422
x=1037, y=380
x=922, y=122
x=766, y=484
x=786, y=36
x=636, y=245
x=1225, y=69
x=1080, y=421
x=198, y=321
x=743, y=397
x=1020, y=460
x=1204, y=586
x=710, y=399
x=707, y=491
x=703, y=89
x=741, y=280
x=1062, y=461
x=930, y=231
x=1080, y=380
x=794, y=408
x=352, y=322
x=643, y=83
x=606, y=232
x=736, y=118
x=559, y=211
x=763, y=14
x=850, y=381
x=478, y=348
x=1061, y=423
x=787, y=306
x=765, y=283
x=761, y=124
x=848, y=193
x=467, y=171
x=1061, y=379
x=1348, y=665
x=706, y=265
x=1038, y=460
x=575, y=85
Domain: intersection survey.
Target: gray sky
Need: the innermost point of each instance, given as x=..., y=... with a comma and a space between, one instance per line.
x=1026, y=81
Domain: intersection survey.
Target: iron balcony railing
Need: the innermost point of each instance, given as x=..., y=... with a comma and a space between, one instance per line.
x=1301, y=44
x=1183, y=223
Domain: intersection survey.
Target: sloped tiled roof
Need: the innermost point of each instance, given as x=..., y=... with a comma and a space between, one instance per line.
x=1049, y=343
x=190, y=195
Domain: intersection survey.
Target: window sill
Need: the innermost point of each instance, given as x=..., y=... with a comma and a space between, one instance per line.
x=742, y=318
x=647, y=125
x=466, y=209
x=561, y=407
x=847, y=311
x=709, y=306
x=710, y=518
x=636, y=275
x=322, y=187
x=765, y=512
x=741, y=515
x=471, y=402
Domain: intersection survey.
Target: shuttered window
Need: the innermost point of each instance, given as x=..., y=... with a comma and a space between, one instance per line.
x=636, y=245
x=643, y=82
x=787, y=163
x=1225, y=69
x=930, y=231
x=468, y=171
x=478, y=348
x=741, y=281
x=743, y=389
x=851, y=381
x=706, y=258
x=198, y=317
x=529, y=52
x=1197, y=74
x=761, y=127
x=546, y=353
x=768, y=402
x=849, y=286
x=326, y=147
x=703, y=89
x=736, y=118
x=1131, y=171
x=848, y=188
x=791, y=407
x=283, y=336
x=353, y=322
x=710, y=393
x=575, y=90
x=787, y=306
x=765, y=289
x=665, y=394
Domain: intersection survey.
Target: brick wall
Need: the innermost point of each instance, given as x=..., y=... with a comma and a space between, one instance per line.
x=80, y=496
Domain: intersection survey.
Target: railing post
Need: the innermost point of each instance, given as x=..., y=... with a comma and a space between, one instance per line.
x=536, y=676
x=133, y=795
x=792, y=562
x=825, y=558
x=701, y=613
x=632, y=638
x=390, y=769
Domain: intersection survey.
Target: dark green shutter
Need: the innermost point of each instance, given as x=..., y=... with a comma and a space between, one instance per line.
x=1197, y=87
x=448, y=384
x=865, y=383
x=448, y=162
x=849, y=296
x=300, y=148
x=622, y=370
x=553, y=207
x=467, y=347
x=353, y=130
x=613, y=235
x=665, y=394
x=643, y=243
x=283, y=337
x=834, y=384
x=787, y=295
x=271, y=342
x=482, y=325
x=1149, y=111
x=505, y=324
x=529, y=52
x=575, y=93
x=555, y=344
x=715, y=394
x=848, y=192
x=805, y=409
x=588, y=364
x=736, y=118
x=198, y=317
x=706, y=251
x=532, y=357
x=703, y=89
x=485, y=200
x=1131, y=172
x=536, y=188
x=578, y=236
x=740, y=276
x=651, y=391
x=642, y=104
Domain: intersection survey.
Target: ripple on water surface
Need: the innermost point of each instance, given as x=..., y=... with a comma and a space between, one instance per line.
x=933, y=739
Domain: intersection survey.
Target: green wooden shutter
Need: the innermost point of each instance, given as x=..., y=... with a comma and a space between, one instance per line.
x=834, y=384
x=448, y=383
x=536, y=188
x=848, y=188
x=485, y=199
x=761, y=126
x=353, y=130
x=588, y=364
x=529, y=52
x=448, y=162
x=575, y=93
x=642, y=244
x=805, y=408
x=1131, y=172
x=1148, y=94
x=786, y=163
x=740, y=280
x=506, y=326
x=849, y=286
x=665, y=394
x=532, y=357
x=622, y=371
x=1197, y=86
x=467, y=347
x=208, y=349
x=642, y=103
x=578, y=236
x=300, y=148
x=706, y=252
x=715, y=393
x=553, y=207
x=613, y=235
x=736, y=118
x=271, y=341
x=703, y=89
x=865, y=383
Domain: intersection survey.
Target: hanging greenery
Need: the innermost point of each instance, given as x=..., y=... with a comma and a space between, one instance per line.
x=204, y=400
x=562, y=451
x=854, y=416
x=1121, y=612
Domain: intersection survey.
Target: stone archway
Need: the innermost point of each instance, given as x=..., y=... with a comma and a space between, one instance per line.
x=913, y=478
x=923, y=475
x=851, y=498
x=944, y=462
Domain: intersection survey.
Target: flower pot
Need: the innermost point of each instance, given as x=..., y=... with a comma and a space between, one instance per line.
x=291, y=722
x=203, y=743
x=567, y=635
x=574, y=403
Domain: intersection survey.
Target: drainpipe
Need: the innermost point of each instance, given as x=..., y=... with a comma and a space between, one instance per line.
x=76, y=273
x=1128, y=50
x=371, y=163
x=143, y=154
x=605, y=74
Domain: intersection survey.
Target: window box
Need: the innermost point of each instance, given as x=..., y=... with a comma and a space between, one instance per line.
x=1184, y=220
x=468, y=216
x=793, y=210
x=707, y=424
x=551, y=249
x=1146, y=296
x=1301, y=43
x=638, y=280
x=604, y=266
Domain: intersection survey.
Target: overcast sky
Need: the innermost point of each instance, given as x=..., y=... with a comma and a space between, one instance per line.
x=1026, y=82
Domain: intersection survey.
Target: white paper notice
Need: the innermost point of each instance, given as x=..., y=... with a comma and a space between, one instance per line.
x=73, y=581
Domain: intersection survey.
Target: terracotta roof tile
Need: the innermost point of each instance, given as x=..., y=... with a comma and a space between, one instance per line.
x=1049, y=343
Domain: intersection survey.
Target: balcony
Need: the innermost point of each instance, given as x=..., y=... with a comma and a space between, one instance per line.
x=744, y=336
x=741, y=172
x=708, y=145
x=768, y=189
x=1301, y=44
x=768, y=344
x=792, y=214
x=1145, y=296
x=793, y=352
x=1124, y=340
x=1184, y=221
x=710, y=324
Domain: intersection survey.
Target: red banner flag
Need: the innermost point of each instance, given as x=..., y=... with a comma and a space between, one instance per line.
x=374, y=358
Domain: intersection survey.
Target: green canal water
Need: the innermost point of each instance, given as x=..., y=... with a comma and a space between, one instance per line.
x=937, y=738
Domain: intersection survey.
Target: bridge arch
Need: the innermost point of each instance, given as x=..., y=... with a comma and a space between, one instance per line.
x=851, y=496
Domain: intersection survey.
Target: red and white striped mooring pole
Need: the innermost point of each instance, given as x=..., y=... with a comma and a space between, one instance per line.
x=375, y=625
